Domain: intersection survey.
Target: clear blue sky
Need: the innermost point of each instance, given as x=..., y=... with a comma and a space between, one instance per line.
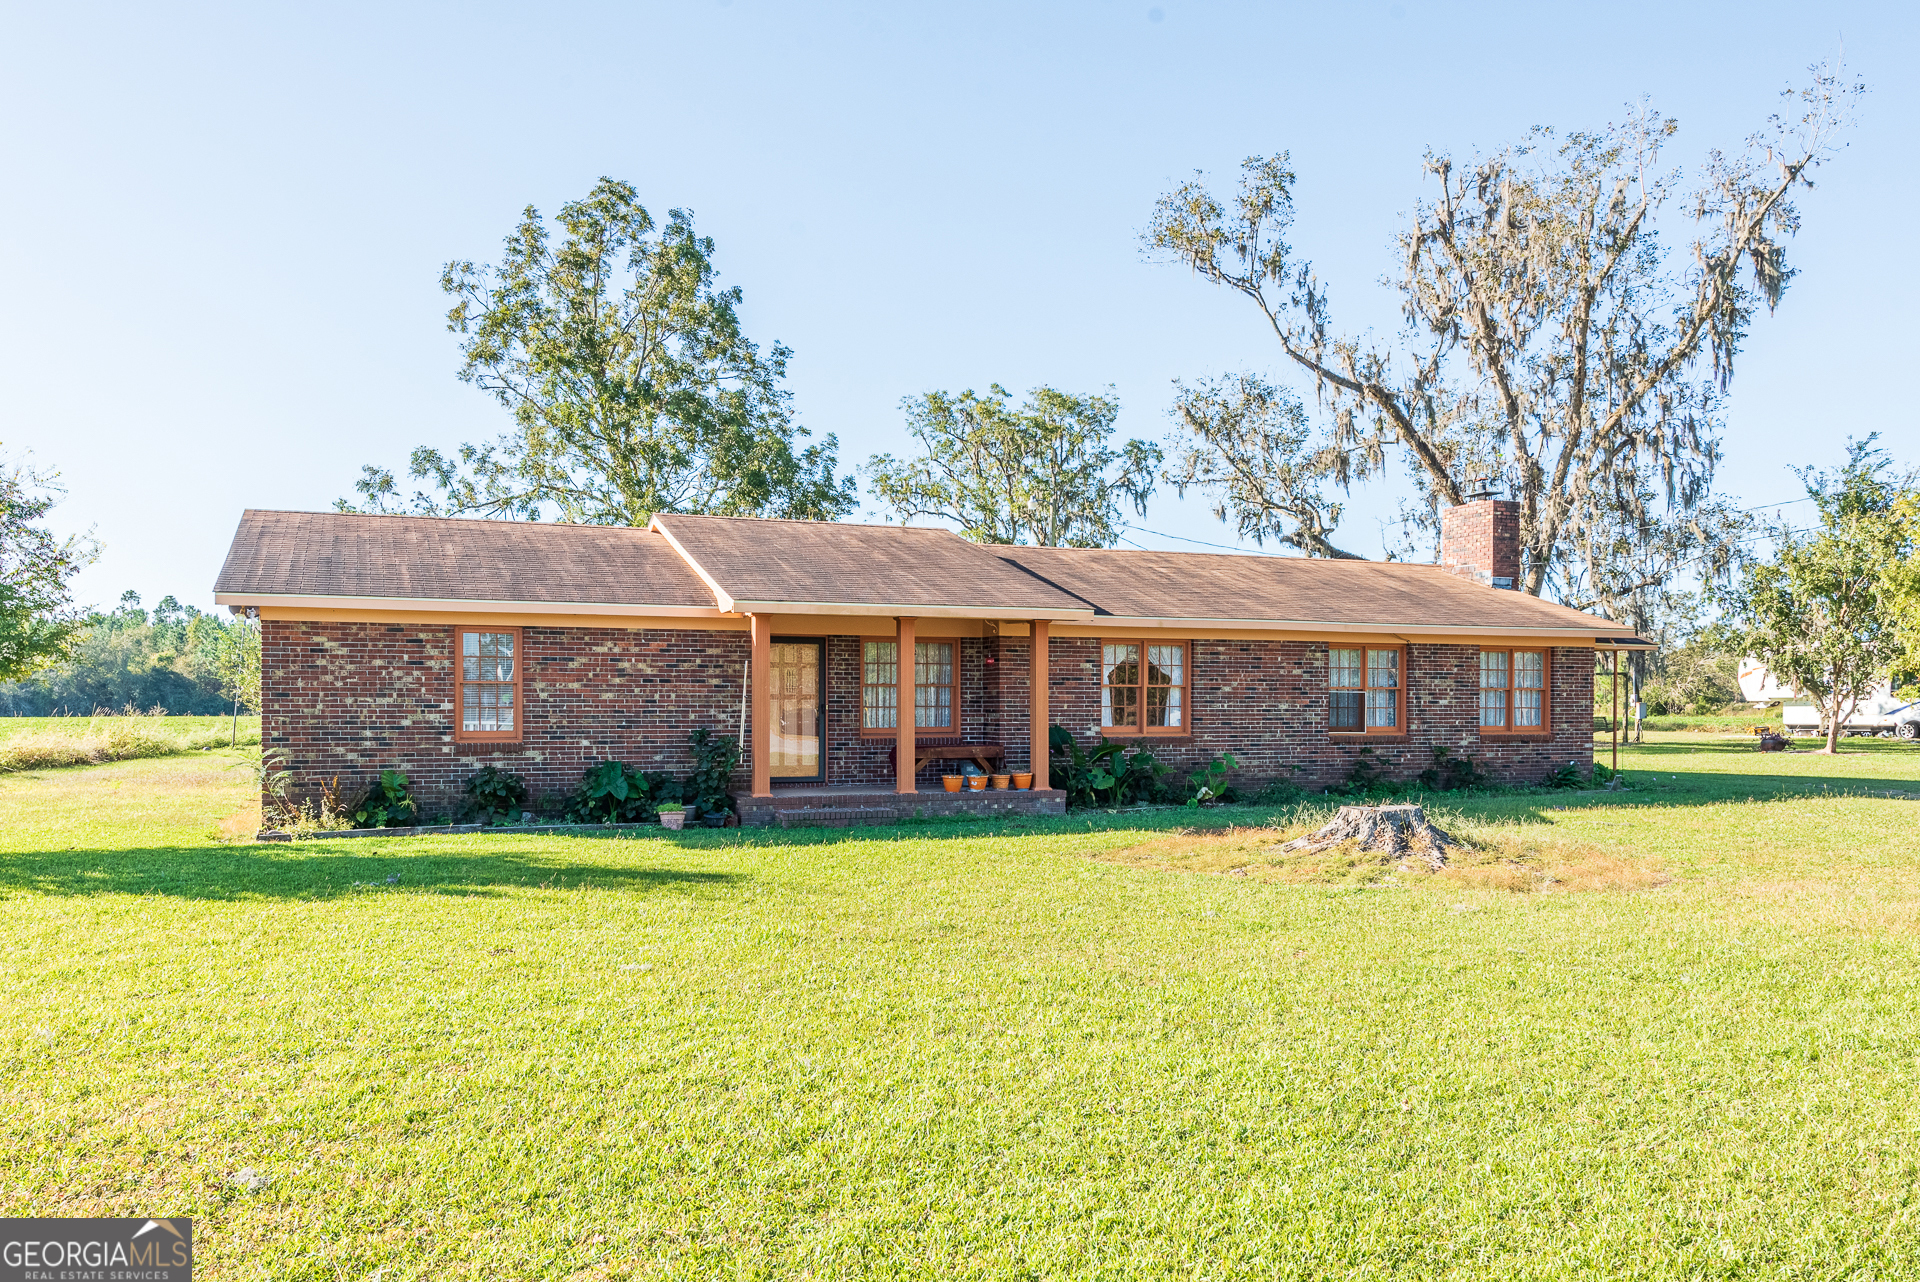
x=224, y=225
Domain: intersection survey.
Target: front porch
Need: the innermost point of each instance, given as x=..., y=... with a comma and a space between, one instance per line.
x=846, y=807
x=879, y=708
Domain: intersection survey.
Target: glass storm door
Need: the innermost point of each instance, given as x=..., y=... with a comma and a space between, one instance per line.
x=798, y=750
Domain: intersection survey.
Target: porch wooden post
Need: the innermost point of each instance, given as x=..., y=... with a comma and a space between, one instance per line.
x=1038, y=717
x=761, y=678
x=903, y=770
x=1613, y=721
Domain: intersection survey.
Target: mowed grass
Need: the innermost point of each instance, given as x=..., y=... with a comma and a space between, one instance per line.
x=978, y=1051
x=10, y=726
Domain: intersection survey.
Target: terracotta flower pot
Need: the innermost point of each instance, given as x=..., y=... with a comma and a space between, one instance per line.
x=1022, y=782
x=950, y=782
x=1001, y=781
x=976, y=783
x=673, y=819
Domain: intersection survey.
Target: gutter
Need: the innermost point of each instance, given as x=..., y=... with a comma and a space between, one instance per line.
x=450, y=605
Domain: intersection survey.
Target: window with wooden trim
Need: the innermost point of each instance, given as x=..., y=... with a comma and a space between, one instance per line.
x=1143, y=687
x=934, y=666
x=1365, y=690
x=1513, y=691
x=487, y=681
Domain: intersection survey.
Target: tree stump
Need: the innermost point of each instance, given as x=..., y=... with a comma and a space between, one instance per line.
x=1387, y=830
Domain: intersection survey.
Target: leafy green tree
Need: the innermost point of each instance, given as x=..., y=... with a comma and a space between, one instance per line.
x=631, y=386
x=1553, y=338
x=1817, y=615
x=126, y=657
x=1900, y=587
x=1044, y=473
x=237, y=661
x=38, y=623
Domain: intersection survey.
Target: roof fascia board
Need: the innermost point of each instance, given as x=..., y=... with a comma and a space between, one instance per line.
x=449, y=605
x=911, y=611
x=1312, y=626
x=720, y=594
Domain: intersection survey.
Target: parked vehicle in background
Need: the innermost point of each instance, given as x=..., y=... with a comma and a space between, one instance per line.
x=1880, y=713
x=1759, y=686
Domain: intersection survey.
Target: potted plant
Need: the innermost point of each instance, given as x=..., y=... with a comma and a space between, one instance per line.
x=673, y=817
x=950, y=782
x=1022, y=781
x=976, y=783
x=1000, y=782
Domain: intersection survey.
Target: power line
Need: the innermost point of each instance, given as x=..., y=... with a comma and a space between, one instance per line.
x=1224, y=547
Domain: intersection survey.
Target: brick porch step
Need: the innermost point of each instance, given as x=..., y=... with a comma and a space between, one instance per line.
x=837, y=816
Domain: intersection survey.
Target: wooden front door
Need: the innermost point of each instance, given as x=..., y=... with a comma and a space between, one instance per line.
x=799, y=748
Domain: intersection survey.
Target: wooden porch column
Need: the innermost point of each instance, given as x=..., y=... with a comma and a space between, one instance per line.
x=1041, y=720
x=761, y=713
x=903, y=771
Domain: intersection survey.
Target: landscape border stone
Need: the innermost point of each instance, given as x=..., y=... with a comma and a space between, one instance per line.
x=444, y=830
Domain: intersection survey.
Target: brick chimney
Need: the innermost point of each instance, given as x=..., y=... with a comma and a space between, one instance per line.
x=1480, y=540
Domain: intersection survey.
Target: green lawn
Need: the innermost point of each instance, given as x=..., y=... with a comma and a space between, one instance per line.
x=10, y=726
x=976, y=1051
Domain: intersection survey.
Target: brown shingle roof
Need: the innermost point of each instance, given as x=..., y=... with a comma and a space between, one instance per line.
x=811, y=566
x=333, y=554
x=763, y=563
x=1218, y=586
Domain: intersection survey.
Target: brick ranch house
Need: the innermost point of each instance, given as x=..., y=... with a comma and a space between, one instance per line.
x=439, y=646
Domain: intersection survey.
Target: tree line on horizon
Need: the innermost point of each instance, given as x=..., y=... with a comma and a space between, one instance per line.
x=174, y=658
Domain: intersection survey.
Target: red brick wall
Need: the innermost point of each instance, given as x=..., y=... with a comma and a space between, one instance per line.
x=349, y=699
x=1266, y=703
x=853, y=760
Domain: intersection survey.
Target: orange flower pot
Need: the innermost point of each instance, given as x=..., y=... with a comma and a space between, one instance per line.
x=950, y=782
x=976, y=783
x=1022, y=782
x=1001, y=781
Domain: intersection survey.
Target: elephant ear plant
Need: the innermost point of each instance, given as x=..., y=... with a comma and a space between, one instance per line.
x=388, y=803
x=714, y=759
x=1107, y=775
x=613, y=792
x=495, y=795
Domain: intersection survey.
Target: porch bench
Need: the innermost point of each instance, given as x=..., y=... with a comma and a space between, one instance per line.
x=925, y=750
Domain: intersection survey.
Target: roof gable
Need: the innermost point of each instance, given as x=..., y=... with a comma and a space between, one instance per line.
x=836, y=567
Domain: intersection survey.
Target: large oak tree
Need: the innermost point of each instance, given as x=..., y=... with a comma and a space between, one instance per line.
x=632, y=388
x=1556, y=337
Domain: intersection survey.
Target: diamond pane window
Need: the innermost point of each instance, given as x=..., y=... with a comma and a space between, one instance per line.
x=1166, y=683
